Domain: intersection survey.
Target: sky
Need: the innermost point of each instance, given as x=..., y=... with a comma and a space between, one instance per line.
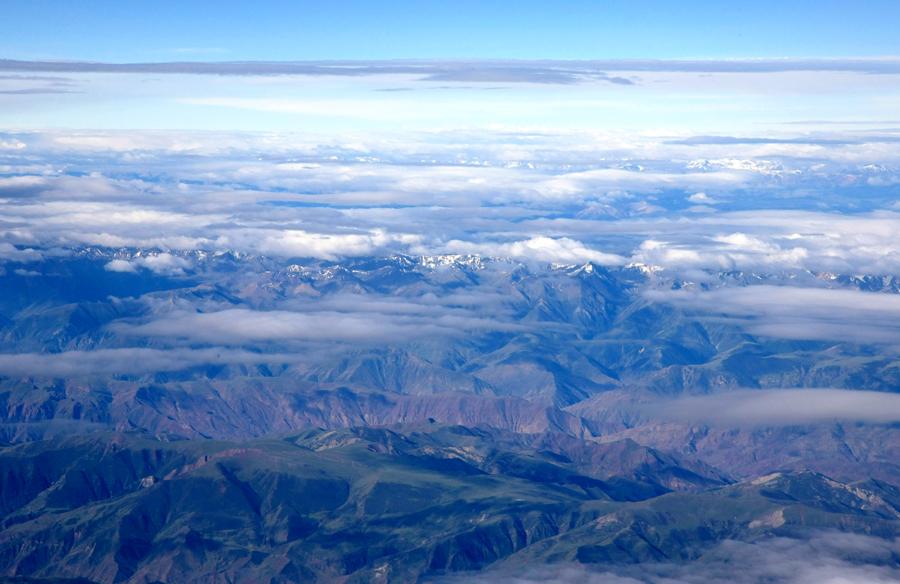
x=652, y=66
x=212, y=30
x=683, y=137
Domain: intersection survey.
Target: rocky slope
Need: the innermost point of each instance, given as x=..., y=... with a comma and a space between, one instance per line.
x=374, y=505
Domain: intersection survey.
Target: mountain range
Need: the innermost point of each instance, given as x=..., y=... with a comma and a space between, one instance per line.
x=201, y=416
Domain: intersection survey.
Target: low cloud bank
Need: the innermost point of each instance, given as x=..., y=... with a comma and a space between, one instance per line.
x=777, y=407
x=798, y=313
x=127, y=361
x=826, y=558
x=346, y=318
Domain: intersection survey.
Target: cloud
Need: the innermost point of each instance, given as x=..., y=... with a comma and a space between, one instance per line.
x=827, y=557
x=705, y=140
x=36, y=91
x=100, y=362
x=702, y=198
x=164, y=264
x=11, y=253
x=543, y=71
x=12, y=145
x=542, y=249
x=777, y=240
x=356, y=109
x=612, y=179
x=553, y=196
x=492, y=73
x=739, y=251
x=35, y=85
x=790, y=312
x=780, y=407
x=299, y=243
x=351, y=319
x=123, y=266
x=23, y=185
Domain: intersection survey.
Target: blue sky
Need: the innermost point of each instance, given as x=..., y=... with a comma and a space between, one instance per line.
x=113, y=30
x=718, y=87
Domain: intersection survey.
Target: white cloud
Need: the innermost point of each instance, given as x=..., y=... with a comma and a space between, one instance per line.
x=779, y=407
x=702, y=198
x=101, y=362
x=543, y=249
x=550, y=196
x=27, y=185
x=774, y=240
x=797, y=313
x=159, y=263
x=826, y=557
x=120, y=266
x=299, y=243
x=611, y=179
x=12, y=145
x=11, y=253
x=388, y=110
x=163, y=263
x=358, y=318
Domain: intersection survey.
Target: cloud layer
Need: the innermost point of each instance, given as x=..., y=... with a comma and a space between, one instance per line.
x=132, y=361
x=493, y=71
x=791, y=312
x=779, y=407
x=826, y=558
x=561, y=197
